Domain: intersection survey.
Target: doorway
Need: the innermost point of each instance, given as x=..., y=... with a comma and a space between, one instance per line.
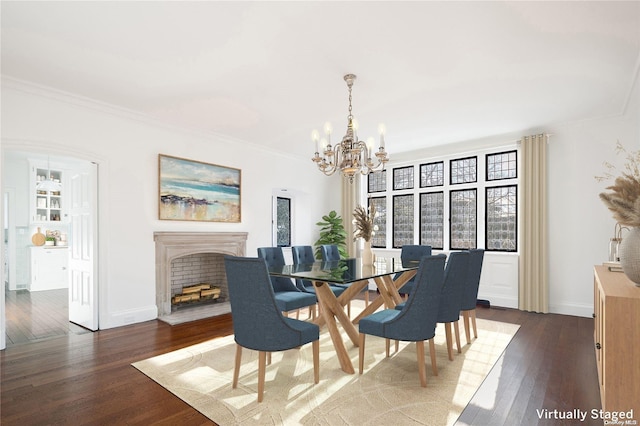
x=41, y=311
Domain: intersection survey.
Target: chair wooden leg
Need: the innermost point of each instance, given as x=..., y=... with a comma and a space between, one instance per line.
x=387, y=345
x=397, y=345
x=432, y=351
x=316, y=361
x=236, y=369
x=268, y=358
x=361, y=353
x=447, y=332
x=366, y=295
x=297, y=314
x=262, y=368
x=349, y=309
x=421, y=368
x=456, y=327
x=473, y=322
x=467, y=331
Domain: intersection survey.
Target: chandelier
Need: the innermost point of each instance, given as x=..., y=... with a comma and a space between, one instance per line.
x=351, y=156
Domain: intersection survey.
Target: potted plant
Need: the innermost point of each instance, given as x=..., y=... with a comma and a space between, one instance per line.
x=49, y=241
x=332, y=232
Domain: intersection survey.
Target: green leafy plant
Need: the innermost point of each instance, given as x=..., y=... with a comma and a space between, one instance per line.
x=332, y=232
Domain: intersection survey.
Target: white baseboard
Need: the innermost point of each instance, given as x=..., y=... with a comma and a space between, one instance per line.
x=130, y=316
x=575, y=309
x=496, y=300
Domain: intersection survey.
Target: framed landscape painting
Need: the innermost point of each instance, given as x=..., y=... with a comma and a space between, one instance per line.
x=193, y=190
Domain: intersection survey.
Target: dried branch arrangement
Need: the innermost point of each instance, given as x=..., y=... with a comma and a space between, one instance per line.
x=624, y=198
x=363, y=222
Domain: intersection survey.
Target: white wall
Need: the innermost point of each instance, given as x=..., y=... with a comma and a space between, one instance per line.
x=126, y=147
x=579, y=223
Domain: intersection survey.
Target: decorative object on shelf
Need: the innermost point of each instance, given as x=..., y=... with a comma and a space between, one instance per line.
x=350, y=156
x=48, y=184
x=624, y=202
x=365, y=229
x=193, y=190
x=38, y=239
x=614, y=244
x=332, y=232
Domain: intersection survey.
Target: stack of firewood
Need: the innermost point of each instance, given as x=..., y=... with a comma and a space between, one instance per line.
x=195, y=293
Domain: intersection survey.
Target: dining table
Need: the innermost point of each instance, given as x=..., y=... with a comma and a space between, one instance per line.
x=388, y=274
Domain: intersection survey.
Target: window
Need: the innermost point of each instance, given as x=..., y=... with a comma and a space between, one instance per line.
x=283, y=222
x=402, y=220
x=432, y=219
x=502, y=166
x=377, y=181
x=463, y=170
x=463, y=215
x=380, y=220
x=501, y=222
x=403, y=178
x=459, y=202
x=432, y=174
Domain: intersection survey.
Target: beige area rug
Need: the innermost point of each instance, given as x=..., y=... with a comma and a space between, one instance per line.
x=388, y=392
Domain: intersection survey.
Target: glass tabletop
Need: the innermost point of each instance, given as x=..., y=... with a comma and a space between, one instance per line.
x=343, y=271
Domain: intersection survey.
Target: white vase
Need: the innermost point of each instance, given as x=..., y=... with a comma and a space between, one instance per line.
x=367, y=254
x=630, y=255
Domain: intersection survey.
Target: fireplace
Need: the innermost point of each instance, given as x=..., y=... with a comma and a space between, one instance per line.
x=177, y=249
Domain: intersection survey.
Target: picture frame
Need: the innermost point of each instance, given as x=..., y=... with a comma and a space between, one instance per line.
x=192, y=190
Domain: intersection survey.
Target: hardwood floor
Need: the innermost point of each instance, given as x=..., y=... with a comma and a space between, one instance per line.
x=37, y=315
x=87, y=378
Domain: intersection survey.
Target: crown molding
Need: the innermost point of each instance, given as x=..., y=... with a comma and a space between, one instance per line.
x=83, y=102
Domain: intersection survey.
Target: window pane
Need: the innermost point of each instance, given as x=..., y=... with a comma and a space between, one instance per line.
x=380, y=237
x=432, y=174
x=502, y=166
x=463, y=219
x=463, y=170
x=432, y=219
x=403, y=178
x=377, y=181
x=402, y=220
x=283, y=224
x=502, y=222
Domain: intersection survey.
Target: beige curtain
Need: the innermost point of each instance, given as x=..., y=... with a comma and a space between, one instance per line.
x=533, y=275
x=349, y=204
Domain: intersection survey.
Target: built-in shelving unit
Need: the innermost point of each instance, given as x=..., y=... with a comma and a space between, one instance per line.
x=47, y=206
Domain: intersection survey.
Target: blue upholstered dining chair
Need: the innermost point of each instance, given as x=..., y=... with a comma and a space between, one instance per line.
x=331, y=253
x=258, y=323
x=411, y=252
x=288, y=296
x=470, y=292
x=455, y=278
x=304, y=255
x=417, y=320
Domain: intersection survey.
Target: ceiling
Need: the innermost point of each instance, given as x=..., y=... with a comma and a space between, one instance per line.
x=269, y=72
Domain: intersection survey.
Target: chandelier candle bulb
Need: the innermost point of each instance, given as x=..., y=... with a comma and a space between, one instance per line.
x=381, y=130
x=327, y=131
x=315, y=137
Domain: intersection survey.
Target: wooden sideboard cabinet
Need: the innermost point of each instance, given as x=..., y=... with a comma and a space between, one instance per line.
x=617, y=340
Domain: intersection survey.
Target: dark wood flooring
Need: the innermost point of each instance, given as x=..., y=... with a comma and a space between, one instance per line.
x=37, y=315
x=80, y=379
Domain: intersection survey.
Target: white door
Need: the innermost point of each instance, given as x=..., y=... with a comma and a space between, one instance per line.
x=83, y=304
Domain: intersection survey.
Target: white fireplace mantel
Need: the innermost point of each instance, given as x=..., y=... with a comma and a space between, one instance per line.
x=172, y=245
